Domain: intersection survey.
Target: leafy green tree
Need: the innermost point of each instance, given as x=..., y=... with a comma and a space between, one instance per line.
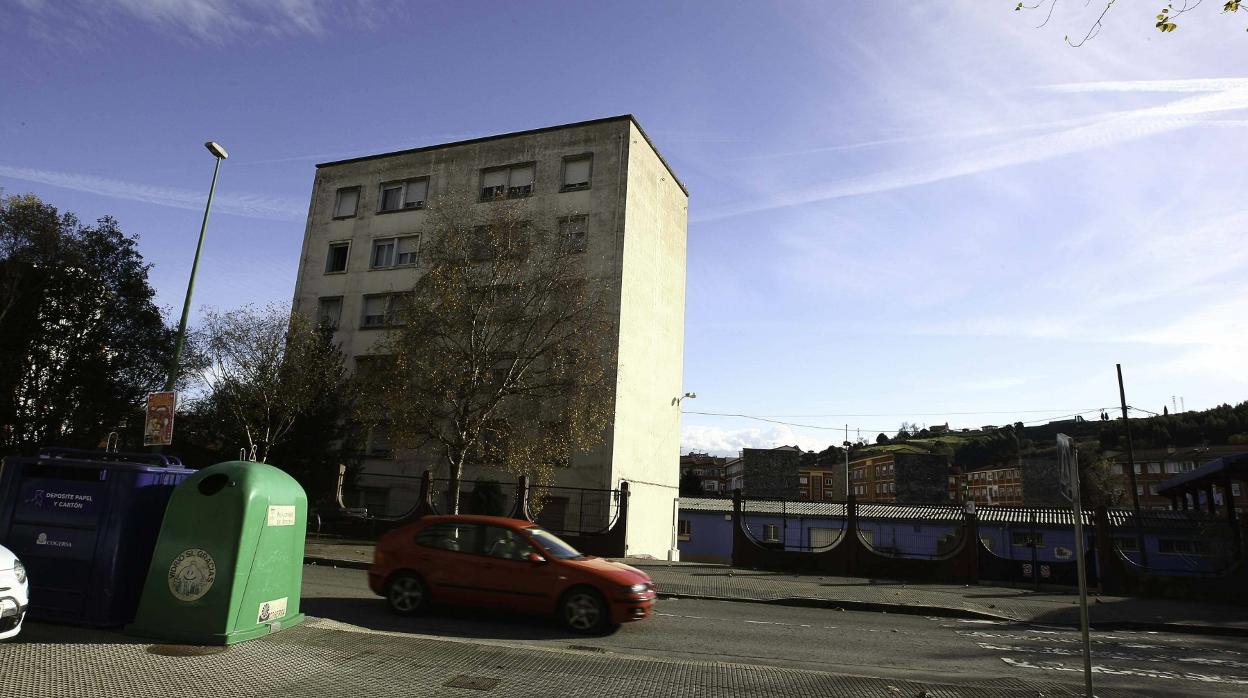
x=498, y=355
x=81, y=339
x=690, y=485
x=881, y=439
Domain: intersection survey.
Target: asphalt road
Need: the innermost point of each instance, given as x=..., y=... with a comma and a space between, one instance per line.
x=848, y=642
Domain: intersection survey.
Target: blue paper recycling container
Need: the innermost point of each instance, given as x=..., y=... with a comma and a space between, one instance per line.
x=84, y=523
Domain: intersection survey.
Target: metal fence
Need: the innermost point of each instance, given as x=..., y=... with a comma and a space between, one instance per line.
x=484, y=497
x=574, y=510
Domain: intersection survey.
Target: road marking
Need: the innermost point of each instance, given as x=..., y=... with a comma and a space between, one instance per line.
x=1112, y=671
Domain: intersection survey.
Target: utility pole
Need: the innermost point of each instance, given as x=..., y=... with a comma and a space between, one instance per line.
x=1135, y=494
x=846, y=460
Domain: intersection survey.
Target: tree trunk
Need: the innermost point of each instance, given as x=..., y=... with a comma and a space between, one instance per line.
x=457, y=474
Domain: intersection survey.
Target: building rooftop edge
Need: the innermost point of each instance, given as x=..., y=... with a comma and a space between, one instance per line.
x=529, y=132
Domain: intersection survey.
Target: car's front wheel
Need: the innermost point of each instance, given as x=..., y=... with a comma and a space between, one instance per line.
x=583, y=610
x=406, y=594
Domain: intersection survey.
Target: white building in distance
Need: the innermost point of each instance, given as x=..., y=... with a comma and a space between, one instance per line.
x=604, y=182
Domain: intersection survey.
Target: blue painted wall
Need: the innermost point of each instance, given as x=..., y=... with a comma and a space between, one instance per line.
x=710, y=539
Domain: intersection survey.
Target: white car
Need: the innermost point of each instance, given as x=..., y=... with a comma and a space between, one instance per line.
x=14, y=593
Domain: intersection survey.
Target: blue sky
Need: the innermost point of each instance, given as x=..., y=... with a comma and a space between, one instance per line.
x=899, y=211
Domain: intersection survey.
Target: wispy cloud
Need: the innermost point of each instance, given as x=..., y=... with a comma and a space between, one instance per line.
x=1216, y=96
x=209, y=21
x=250, y=206
x=722, y=441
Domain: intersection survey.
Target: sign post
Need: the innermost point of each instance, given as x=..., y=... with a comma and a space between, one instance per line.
x=158, y=426
x=1069, y=478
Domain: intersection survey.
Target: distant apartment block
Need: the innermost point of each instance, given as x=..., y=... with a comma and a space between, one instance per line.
x=709, y=469
x=603, y=185
x=1153, y=467
x=901, y=477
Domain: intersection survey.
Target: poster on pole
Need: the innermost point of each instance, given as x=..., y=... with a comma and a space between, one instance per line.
x=158, y=427
x=1068, y=468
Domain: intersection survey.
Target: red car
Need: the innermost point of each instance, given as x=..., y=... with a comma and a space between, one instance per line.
x=505, y=563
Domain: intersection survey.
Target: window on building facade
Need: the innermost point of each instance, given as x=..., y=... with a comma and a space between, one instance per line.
x=336, y=260
x=1026, y=539
x=329, y=310
x=574, y=232
x=394, y=252
x=684, y=529
x=1154, y=468
x=576, y=172
x=1235, y=489
x=512, y=181
x=1172, y=467
x=347, y=201
x=1172, y=546
x=379, y=442
x=1152, y=489
x=1139, y=489
x=403, y=195
x=379, y=310
x=771, y=533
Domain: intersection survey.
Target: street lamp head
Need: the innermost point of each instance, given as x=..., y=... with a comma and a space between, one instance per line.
x=691, y=394
x=216, y=150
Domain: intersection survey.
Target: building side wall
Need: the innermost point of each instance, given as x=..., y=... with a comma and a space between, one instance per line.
x=646, y=438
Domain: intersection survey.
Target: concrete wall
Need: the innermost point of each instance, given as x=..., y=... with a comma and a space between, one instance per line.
x=646, y=440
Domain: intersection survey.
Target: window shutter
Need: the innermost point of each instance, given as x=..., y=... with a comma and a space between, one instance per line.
x=576, y=172
x=521, y=176
x=416, y=192
x=347, y=201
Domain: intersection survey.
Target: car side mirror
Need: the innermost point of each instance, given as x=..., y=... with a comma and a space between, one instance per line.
x=535, y=558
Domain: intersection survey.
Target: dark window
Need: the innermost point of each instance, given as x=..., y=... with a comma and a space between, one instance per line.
x=336, y=260
x=574, y=232
x=684, y=529
x=506, y=544
x=457, y=537
x=1025, y=539
x=512, y=181
x=329, y=311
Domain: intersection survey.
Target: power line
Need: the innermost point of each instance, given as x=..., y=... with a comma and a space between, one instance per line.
x=930, y=414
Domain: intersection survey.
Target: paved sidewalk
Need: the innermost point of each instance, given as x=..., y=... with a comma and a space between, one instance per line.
x=326, y=658
x=695, y=580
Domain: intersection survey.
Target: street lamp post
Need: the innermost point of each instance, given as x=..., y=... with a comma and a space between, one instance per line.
x=219, y=153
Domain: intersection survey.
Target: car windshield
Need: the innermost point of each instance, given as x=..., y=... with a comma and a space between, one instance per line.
x=553, y=545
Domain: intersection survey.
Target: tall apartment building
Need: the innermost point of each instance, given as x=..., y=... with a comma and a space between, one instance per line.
x=606, y=187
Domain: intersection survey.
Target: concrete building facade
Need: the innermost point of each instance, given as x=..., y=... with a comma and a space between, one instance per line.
x=602, y=183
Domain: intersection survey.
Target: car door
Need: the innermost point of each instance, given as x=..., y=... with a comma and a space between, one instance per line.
x=446, y=555
x=508, y=577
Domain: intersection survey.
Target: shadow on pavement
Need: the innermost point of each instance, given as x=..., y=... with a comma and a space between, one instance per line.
x=48, y=633
x=440, y=621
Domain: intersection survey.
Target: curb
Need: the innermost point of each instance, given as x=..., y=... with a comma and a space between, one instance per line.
x=904, y=609
x=870, y=606
x=330, y=562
